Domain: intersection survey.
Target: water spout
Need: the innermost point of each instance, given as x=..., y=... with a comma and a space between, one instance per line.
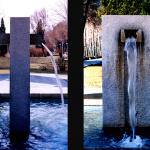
x=131, y=49
x=56, y=72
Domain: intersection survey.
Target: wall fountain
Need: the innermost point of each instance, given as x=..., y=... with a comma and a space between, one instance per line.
x=126, y=73
x=26, y=124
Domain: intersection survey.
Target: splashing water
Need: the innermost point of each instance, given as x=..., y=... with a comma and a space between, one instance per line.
x=48, y=127
x=131, y=49
x=96, y=137
x=56, y=72
x=135, y=143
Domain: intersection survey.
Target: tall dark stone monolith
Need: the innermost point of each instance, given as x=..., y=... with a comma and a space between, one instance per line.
x=19, y=78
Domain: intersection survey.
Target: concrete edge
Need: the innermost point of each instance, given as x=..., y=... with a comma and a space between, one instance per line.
x=38, y=95
x=119, y=131
x=54, y=95
x=93, y=96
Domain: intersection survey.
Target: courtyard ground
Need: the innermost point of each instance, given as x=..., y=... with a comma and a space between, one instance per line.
x=93, y=86
x=42, y=77
x=93, y=80
x=42, y=83
x=93, y=76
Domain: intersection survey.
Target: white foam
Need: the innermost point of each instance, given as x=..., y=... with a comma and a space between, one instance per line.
x=135, y=143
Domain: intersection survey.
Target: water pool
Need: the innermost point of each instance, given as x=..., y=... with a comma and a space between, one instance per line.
x=48, y=127
x=96, y=137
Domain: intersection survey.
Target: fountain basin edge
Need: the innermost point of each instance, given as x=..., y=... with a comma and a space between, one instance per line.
x=38, y=95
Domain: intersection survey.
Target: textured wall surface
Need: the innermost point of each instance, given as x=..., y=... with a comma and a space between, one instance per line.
x=20, y=77
x=114, y=71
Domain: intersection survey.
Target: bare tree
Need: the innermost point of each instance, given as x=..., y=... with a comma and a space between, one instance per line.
x=49, y=39
x=60, y=11
x=58, y=34
x=39, y=16
x=51, y=17
x=58, y=17
x=60, y=31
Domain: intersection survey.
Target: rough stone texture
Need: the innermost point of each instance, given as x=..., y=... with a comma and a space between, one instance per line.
x=19, y=77
x=114, y=71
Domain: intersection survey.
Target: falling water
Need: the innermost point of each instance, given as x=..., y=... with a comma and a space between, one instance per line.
x=56, y=72
x=131, y=49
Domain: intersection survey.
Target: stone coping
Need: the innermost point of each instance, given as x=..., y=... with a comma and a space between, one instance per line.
x=38, y=95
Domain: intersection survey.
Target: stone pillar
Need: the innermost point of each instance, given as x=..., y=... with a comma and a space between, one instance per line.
x=19, y=78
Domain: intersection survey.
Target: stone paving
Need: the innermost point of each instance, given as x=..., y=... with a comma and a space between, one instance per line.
x=92, y=93
x=41, y=83
x=93, y=102
x=88, y=90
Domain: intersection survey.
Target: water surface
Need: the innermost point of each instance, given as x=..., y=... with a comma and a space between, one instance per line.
x=95, y=137
x=48, y=127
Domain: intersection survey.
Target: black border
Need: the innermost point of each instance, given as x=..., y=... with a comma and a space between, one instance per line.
x=75, y=74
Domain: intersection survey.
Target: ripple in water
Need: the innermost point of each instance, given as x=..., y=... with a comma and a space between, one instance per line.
x=48, y=127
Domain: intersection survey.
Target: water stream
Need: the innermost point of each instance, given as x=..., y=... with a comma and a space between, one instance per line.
x=56, y=72
x=94, y=134
x=131, y=49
